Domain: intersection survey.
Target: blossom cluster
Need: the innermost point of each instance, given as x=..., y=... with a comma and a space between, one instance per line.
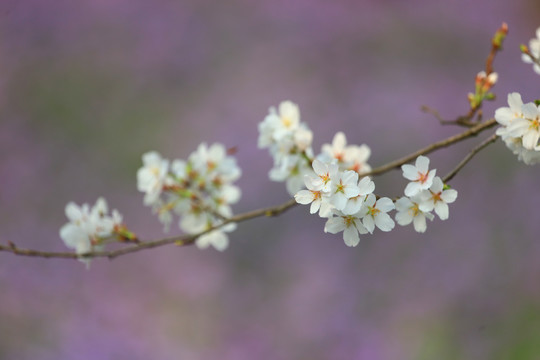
x=336, y=187
x=199, y=190
x=351, y=206
x=90, y=227
x=289, y=142
x=520, y=128
x=424, y=193
x=531, y=54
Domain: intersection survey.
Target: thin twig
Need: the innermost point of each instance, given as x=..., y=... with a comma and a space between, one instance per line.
x=469, y=156
x=178, y=240
x=428, y=149
x=463, y=121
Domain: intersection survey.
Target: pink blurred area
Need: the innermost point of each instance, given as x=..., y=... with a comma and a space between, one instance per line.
x=88, y=86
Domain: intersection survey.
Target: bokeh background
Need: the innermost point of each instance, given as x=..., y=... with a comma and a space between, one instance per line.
x=86, y=87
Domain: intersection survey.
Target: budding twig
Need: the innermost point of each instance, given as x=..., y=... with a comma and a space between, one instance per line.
x=484, y=81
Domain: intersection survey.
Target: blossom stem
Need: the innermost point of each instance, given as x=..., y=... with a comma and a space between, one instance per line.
x=469, y=156
x=473, y=131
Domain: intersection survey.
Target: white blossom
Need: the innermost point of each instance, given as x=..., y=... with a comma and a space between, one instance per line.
x=408, y=210
x=529, y=157
x=279, y=124
x=506, y=115
x=344, y=186
x=88, y=226
x=420, y=176
x=289, y=142
x=303, y=138
x=151, y=177
x=324, y=172
x=365, y=187
x=350, y=157
x=350, y=225
x=520, y=128
x=527, y=127
x=534, y=49
x=374, y=213
x=313, y=195
x=437, y=199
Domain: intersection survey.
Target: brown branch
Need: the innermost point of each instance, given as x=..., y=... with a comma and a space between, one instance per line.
x=469, y=156
x=178, y=240
x=428, y=149
x=464, y=121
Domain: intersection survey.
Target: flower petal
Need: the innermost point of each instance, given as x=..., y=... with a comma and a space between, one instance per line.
x=351, y=237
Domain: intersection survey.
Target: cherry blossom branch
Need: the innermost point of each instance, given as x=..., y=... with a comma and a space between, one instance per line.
x=430, y=148
x=469, y=156
x=182, y=240
x=270, y=211
x=203, y=184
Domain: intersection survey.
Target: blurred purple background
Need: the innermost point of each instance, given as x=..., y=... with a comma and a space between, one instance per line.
x=88, y=86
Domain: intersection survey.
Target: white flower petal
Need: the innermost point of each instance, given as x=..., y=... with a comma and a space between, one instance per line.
x=409, y=172
x=366, y=186
x=449, y=196
x=404, y=217
x=413, y=188
x=437, y=185
x=353, y=205
x=515, y=102
x=351, y=237
x=73, y=212
x=530, y=139
x=441, y=209
x=385, y=204
x=334, y=225
x=304, y=197
x=339, y=200
x=384, y=222
x=369, y=223
x=315, y=206
x=422, y=164
x=419, y=223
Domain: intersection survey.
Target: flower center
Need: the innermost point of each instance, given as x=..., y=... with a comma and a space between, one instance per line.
x=373, y=211
x=286, y=121
x=325, y=178
x=155, y=171
x=415, y=210
x=535, y=124
x=349, y=221
x=422, y=178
